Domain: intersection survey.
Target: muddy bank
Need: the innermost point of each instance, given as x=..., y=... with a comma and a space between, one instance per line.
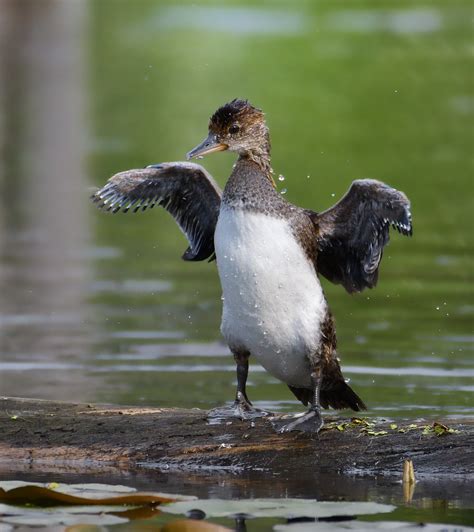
x=37, y=434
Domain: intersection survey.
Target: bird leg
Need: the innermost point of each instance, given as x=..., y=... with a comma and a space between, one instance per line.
x=242, y=408
x=311, y=421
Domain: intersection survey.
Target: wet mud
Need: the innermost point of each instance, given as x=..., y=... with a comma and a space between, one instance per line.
x=38, y=435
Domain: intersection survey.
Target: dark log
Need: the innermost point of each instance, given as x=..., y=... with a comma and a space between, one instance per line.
x=37, y=432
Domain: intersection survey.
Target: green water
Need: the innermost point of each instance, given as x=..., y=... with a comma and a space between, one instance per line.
x=97, y=307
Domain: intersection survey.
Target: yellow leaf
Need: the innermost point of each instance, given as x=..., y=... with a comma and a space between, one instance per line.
x=44, y=496
x=191, y=525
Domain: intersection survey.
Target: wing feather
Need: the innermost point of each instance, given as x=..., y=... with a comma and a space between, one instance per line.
x=353, y=233
x=185, y=190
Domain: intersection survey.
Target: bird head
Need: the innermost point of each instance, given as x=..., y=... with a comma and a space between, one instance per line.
x=236, y=126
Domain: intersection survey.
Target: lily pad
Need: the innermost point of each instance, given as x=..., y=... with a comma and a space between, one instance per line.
x=42, y=494
x=76, y=504
x=63, y=516
x=286, y=508
x=396, y=526
x=63, y=519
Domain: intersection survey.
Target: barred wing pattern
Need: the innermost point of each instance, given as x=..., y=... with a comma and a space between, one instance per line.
x=185, y=190
x=353, y=233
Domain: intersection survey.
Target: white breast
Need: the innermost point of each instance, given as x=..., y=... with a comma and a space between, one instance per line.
x=273, y=301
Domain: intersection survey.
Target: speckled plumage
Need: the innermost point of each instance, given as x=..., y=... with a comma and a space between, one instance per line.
x=269, y=254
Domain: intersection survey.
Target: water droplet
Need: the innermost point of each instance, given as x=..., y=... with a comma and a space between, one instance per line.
x=280, y=285
x=222, y=298
x=255, y=306
x=308, y=177
x=333, y=195
x=199, y=157
x=437, y=308
x=283, y=191
x=281, y=177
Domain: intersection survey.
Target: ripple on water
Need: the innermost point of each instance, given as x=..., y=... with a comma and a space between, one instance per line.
x=146, y=286
x=149, y=335
x=422, y=20
x=228, y=19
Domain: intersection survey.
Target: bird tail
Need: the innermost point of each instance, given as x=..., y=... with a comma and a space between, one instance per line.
x=340, y=395
x=335, y=394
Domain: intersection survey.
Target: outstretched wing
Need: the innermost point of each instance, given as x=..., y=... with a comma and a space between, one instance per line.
x=353, y=233
x=185, y=190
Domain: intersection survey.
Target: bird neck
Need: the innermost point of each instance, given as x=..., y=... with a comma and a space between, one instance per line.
x=260, y=155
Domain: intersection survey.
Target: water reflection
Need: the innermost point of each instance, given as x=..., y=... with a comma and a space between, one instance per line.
x=234, y=20
x=386, y=20
x=44, y=225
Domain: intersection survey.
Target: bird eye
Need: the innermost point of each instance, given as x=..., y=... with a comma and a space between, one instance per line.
x=234, y=129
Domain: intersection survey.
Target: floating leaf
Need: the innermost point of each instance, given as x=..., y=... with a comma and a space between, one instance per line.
x=70, y=515
x=40, y=494
x=276, y=508
x=191, y=525
x=62, y=519
x=77, y=504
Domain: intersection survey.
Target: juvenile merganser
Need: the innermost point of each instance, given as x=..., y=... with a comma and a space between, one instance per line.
x=269, y=254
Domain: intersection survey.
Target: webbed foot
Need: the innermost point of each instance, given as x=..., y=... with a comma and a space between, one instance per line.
x=242, y=409
x=310, y=422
